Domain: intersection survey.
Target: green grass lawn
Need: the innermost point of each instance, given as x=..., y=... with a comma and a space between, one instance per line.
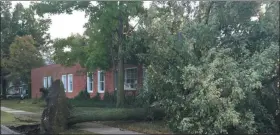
x=152, y=127
x=155, y=127
x=10, y=120
x=77, y=132
x=26, y=105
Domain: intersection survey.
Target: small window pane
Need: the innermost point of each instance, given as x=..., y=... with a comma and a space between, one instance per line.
x=131, y=78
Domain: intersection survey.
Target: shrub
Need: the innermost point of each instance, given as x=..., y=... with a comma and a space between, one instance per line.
x=109, y=97
x=90, y=103
x=96, y=97
x=129, y=99
x=145, y=98
x=83, y=95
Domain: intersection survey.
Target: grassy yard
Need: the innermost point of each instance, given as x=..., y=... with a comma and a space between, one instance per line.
x=9, y=119
x=26, y=105
x=153, y=127
x=77, y=132
x=103, y=113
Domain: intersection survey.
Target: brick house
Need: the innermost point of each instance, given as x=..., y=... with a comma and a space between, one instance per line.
x=74, y=80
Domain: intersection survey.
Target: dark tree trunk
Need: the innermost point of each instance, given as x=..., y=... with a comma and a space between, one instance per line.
x=120, y=97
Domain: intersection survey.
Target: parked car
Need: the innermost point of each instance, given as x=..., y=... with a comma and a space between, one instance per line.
x=17, y=92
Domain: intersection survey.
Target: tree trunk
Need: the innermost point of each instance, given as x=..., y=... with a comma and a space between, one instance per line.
x=135, y=114
x=3, y=87
x=120, y=90
x=120, y=98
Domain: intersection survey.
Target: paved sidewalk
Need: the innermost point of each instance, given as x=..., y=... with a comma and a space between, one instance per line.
x=86, y=126
x=103, y=129
x=13, y=111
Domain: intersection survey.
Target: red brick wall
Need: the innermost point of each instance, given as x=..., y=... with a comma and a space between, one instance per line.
x=79, y=79
x=56, y=71
x=109, y=81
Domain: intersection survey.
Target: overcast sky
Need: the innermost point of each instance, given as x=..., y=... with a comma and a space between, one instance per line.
x=64, y=25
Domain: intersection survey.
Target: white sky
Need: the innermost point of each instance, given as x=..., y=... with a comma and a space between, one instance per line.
x=64, y=25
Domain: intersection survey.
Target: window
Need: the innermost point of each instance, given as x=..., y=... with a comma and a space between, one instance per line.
x=45, y=82
x=70, y=82
x=101, y=82
x=49, y=81
x=89, y=82
x=63, y=79
x=130, y=78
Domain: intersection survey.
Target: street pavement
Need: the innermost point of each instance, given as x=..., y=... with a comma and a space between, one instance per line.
x=6, y=130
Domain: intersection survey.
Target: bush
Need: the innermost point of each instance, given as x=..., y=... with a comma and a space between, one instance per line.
x=145, y=98
x=129, y=100
x=96, y=97
x=90, y=103
x=83, y=95
x=109, y=97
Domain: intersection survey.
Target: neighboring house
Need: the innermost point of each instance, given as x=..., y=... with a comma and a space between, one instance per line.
x=74, y=80
x=17, y=89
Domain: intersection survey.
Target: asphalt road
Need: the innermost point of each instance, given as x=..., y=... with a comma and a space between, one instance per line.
x=6, y=130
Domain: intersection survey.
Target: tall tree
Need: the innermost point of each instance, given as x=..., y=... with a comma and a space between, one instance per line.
x=108, y=31
x=23, y=57
x=20, y=21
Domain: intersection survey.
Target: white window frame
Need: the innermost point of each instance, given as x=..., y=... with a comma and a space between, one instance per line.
x=90, y=83
x=49, y=81
x=45, y=82
x=125, y=78
x=70, y=82
x=99, y=86
x=64, y=81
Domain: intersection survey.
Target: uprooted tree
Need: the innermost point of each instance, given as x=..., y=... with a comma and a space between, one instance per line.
x=57, y=112
x=213, y=68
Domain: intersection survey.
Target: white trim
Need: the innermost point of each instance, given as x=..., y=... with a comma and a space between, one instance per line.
x=70, y=82
x=45, y=82
x=88, y=83
x=64, y=81
x=99, y=86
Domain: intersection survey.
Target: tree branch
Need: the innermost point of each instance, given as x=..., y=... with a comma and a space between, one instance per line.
x=208, y=12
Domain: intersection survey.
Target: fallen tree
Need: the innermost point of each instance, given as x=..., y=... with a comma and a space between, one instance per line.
x=115, y=114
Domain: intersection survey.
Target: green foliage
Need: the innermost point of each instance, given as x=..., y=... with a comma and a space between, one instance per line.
x=79, y=115
x=212, y=74
x=96, y=97
x=110, y=98
x=20, y=21
x=210, y=66
x=145, y=98
x=109, y=35
x=23, y=57
x=83, y=95
x=90, y=103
